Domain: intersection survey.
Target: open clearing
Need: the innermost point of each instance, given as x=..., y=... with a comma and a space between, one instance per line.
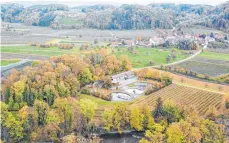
x=201, y=100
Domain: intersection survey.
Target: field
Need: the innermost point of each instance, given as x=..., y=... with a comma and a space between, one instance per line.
x=201, y=100
x=141, y=59
x=38, y=51
x=145, y=55
x=213, y=55
x=7, y=62
x=183, y=80
x=208, y=63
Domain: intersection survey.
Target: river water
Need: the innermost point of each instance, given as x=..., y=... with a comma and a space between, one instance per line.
x=123, y=138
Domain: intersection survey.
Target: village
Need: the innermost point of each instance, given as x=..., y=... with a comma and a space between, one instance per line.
x=171, y=38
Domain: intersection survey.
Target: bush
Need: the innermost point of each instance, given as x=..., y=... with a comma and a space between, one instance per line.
x=66, y=46
x=102, y=96
x=35, y=63
x=149, y=90
x=166, y=80
x=86, y=91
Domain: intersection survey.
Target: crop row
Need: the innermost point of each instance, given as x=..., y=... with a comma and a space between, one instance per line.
x=183, y=95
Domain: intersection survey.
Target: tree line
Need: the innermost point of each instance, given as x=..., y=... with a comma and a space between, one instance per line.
x=152, y=16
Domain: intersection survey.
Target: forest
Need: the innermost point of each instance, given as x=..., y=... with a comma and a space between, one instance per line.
x=41, y=103
x=152, y=16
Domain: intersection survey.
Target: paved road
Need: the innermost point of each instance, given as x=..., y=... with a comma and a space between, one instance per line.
x=6, y=70
x=189, y=58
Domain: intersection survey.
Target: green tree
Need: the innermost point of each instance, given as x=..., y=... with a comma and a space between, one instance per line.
x=175, y=134
x=63, y=90
x=121, y=117
x=171, y=111
x=85, y=76
x=49, y=94
x=29, y=122
x=151, y=137
x=29, y=95
x=126, y=64
x=158, y=112
x=212, y=133
x=11, y=123
x=65, y=112
x=107, y=119
x=166, y=79
x=16, y=98
x=136, y=119
x=42, y=110
x=148, y=120
x=87, y=109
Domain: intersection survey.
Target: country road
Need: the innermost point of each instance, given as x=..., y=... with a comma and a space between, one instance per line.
x=177, y=62
x=6, y=70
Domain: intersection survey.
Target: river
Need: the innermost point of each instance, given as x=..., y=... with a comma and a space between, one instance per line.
x=123, y=138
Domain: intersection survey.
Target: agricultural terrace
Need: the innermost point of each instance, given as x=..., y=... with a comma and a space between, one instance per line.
x=7, y=62
x=201, y=100
x=184, y=80
x=140, y=57
x=214, y=55
x=207, y=64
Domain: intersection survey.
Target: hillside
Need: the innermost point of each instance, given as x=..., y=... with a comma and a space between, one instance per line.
x=152, y=16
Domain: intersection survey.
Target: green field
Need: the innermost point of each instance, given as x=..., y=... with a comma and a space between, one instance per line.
x=54, y=51
x=7, y=62
x=69, y=21
x=213, y=55
x=98, y=100
x=141, y=59
x=148, y=54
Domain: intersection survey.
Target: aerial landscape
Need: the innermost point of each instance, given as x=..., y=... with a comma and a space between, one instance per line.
x=114, y=72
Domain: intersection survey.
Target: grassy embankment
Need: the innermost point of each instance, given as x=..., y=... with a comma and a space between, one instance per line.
x=7, y=62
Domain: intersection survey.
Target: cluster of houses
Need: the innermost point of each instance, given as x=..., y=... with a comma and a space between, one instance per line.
x=154, y=41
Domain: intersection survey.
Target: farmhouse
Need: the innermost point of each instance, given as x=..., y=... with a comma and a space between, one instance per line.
x=155, y=41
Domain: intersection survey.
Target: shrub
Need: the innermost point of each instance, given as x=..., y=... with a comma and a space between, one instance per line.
x=35, y=63
x=86, y=91
x=166, y=80
x=102, y=96
x=66, y=46
x=148, y=90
